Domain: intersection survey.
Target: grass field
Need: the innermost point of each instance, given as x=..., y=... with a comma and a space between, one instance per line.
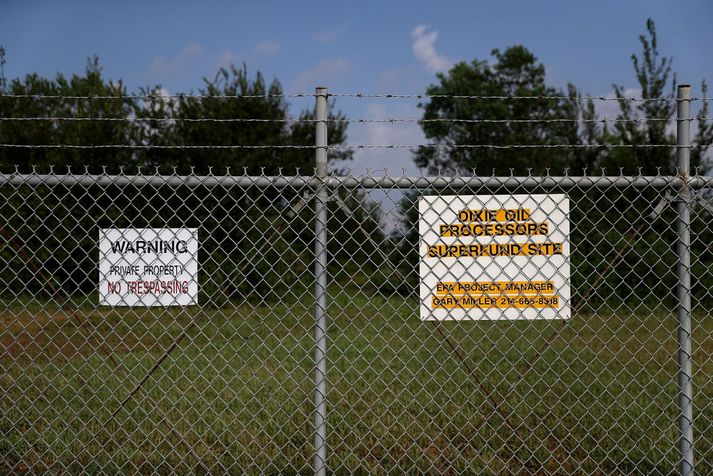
x=235, y=396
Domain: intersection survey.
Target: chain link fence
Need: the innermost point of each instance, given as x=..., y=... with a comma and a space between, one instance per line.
x=227, y=387
x=303, y=347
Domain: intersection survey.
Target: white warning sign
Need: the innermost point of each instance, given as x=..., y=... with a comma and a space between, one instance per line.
x=494, y=257
x=148, y=267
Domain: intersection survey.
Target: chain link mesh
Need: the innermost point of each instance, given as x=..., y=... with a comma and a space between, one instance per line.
x=226, y=386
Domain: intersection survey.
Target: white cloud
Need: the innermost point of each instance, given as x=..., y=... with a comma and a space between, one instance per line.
x=321, y=73
x=161, y=67
x=330, y=35
x=425, y=50
x=266, y=48
x=228, y=57
x=262, y=49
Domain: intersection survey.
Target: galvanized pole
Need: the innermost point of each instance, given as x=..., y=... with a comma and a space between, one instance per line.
x=683, y=270
x=320, y=289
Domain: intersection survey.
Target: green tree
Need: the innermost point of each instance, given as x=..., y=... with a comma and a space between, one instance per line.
x=259, y=245
x=600, y=221
x=267, y=233
x=45, y=228
x=515, y=72
x=642, y=123
x=50, y=129
x=647, y=122
x=233, y=96
x=255, y=242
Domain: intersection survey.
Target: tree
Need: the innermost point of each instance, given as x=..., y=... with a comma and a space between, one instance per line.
x=600, y=221
x=647, y=122
x=516, y=72
x=253, y=242
x=652, y=122
x=256, y=242
x=231, y=96
x=57, y=224
x=51, y=129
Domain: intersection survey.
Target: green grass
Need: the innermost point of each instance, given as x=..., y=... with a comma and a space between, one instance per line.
x=238, y=391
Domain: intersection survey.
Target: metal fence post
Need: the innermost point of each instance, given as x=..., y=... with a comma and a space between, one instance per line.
x=683, y=270
x=320, y=289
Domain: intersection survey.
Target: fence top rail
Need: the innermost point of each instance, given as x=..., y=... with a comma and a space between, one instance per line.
x=364, y=182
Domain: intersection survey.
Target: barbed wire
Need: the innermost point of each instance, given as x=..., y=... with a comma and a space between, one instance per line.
x=345, y=146
x=153, y=146
x=351, y=95
x=154, y=119
x=511, y=97
x=127, y=97
x=512, y=121
x=507, y=146
x=350, y=121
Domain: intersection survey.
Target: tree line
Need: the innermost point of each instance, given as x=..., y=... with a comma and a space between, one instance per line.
x=258, y=243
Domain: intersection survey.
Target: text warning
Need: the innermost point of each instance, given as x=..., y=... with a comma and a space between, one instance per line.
x=494, y=257
x=148, y=267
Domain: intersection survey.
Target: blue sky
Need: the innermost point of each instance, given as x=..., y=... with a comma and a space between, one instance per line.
x=371, y=47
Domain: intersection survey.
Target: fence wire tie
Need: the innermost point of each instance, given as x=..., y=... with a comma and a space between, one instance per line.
x=300, y=204
x=666, y=200
x=706, y=204
x=307, y=197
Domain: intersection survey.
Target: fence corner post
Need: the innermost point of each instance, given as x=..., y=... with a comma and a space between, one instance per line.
x=683, y=289
x=320, y=288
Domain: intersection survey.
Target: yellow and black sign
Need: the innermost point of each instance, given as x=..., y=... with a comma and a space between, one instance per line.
x=494, y=257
